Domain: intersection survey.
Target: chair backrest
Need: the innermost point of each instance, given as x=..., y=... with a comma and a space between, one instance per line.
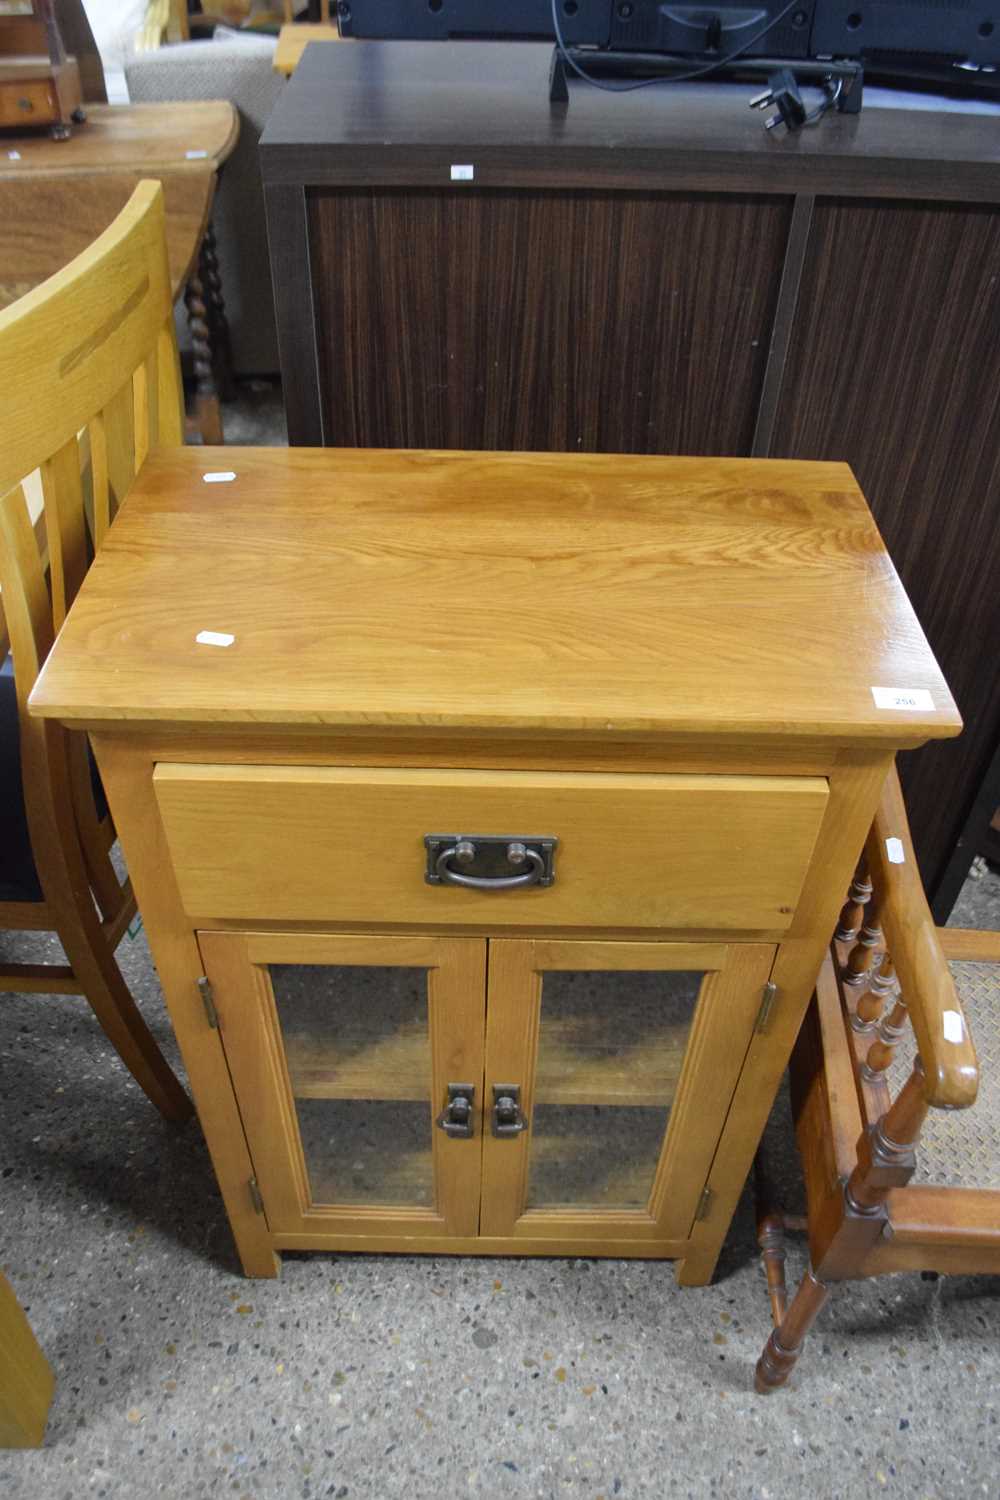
x=90, y=382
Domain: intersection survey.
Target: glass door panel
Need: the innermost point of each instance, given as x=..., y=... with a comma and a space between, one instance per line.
x=358, y=1052
x=342, y=1050
x=624, y=1057
x=610, y=1050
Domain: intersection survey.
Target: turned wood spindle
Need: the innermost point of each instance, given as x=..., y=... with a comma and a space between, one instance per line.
x=862, y=955
x=771, y=1239
x=853, y=910
x=206, y=393
x=881, y=985
x=785, y=1344
x=215, y=309
x=883, y=1048
x=886, y=1156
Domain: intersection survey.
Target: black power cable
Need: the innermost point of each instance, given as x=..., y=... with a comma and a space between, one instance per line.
x=642, y=83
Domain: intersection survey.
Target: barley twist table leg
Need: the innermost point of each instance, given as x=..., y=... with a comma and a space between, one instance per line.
x=208, y=417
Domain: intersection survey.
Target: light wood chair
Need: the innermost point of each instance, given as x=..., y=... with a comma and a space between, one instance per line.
x=867, y=1090
x=90, y=381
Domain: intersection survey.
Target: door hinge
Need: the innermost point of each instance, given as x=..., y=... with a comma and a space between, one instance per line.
x=208, y=1001
x=704, y=1205
x=768, y=996
x=255, y=1198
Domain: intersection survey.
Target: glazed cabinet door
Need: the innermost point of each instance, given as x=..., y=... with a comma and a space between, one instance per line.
x=610, y=1068
x=342, y=1051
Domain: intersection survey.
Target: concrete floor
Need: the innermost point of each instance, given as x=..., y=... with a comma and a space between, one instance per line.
x=360, y=1376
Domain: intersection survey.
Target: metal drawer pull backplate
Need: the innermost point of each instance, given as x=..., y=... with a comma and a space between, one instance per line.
x=489, y=862
x=456, y=1119
x=508, y=1119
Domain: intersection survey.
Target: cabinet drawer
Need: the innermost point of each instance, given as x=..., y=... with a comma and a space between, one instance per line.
x=28, y=103
x=328, y=844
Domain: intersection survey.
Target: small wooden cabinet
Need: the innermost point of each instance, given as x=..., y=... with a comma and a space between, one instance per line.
x=489, y=816
x=39, y=84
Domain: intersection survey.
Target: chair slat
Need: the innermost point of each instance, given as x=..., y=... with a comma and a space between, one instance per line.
x=153, y=398
x=27, y=611
x=119, y=428
x=65, y=526
x=99, y=479
x=141, y=407
x=170, y=432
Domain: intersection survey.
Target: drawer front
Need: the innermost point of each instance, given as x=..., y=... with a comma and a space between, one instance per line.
x=326, y=844
x=28, y=104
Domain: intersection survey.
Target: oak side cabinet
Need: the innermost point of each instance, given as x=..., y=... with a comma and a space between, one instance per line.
x=489, y=815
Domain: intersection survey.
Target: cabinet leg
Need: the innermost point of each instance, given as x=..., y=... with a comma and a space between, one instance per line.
x=698, y=1266
x=785, y=1344
x=257, y=1267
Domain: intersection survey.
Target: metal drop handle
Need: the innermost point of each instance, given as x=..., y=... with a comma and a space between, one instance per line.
x=464, y=852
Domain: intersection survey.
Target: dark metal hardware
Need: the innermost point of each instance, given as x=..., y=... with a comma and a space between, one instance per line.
x=456, y=1118
x=769, y=995
x=490, y=861
x=255, y=1196
x=507, y=1117
x=208, y=1001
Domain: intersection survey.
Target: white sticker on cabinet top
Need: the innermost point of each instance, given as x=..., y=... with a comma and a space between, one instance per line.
x=906, y=699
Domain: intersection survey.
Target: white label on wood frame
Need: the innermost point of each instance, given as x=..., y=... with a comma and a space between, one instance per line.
x=953, y=1028
x=463, y=173
x=907, y=699
x=219, y=476
x=195, y=155
x=894, y=851
x=214, y=638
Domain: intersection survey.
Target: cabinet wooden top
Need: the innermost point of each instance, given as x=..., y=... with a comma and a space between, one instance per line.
x=529, y=592
x=403, y=113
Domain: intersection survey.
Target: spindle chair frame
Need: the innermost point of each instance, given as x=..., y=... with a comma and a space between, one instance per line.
x=91, y=380
x=887, y=968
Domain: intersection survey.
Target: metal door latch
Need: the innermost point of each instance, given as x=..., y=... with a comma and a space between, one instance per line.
x=456, y=1118
x=507, y=1117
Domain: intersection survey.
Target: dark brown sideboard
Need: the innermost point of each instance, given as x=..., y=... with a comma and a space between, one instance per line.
x=652, y=273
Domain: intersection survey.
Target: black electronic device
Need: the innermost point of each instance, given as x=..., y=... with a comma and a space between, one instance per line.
x=948, y=44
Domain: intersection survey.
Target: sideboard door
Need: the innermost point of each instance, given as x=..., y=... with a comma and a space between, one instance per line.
x=620, y=1060
x=345, y=1054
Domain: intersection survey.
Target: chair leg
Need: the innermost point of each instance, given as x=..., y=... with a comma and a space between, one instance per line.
x=111, y=1000
x=785, y=1344
x=770, y=1237
x=26, y=1379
